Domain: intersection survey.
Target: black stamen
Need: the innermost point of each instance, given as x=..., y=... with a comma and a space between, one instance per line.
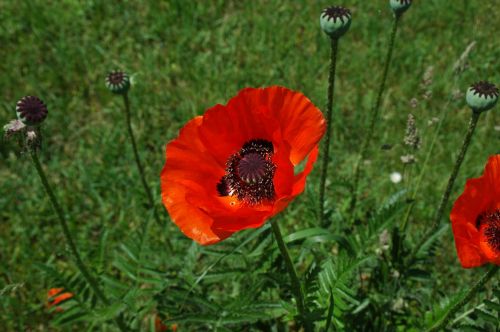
x=491, y=223
x=257, y=146
x=222, y=188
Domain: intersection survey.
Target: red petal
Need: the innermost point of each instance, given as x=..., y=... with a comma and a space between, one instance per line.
x=189, y=168
x=54, y=291
x=492, y=176
x=247, y=116
x=302, y=123
x=298, y=183
x=61, y=298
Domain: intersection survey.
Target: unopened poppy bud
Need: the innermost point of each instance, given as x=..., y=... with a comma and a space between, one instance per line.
x=400, y=6
x=335, y=21
x=482, y=96
x=118, y=82
x=31, y=110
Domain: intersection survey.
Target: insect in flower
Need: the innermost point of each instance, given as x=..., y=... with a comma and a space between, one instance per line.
x=237, y=165
x=475, y=218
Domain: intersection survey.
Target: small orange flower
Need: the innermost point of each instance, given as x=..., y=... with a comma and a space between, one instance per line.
x=160, y=327
x=236, y=166
x=54, y=297
x=475, y=218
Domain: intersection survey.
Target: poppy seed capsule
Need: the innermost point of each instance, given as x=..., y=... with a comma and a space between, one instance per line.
x=118, y=82
x=400, y=6
x=335, y=21
x=482, y=96
x=31, y=110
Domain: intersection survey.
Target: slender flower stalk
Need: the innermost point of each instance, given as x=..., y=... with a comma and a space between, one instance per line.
x=480, y=97
x=137, y=158
x=326, y=144
x=118, y=82
x=375, y=115
x=31, y=112
x=465, y=299
x=451, y=181
x=296, y=285
x=335, y=22
x=139, y=164
x=74, y=251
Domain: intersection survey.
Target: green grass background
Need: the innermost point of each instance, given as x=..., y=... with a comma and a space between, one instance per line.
x=186, y=56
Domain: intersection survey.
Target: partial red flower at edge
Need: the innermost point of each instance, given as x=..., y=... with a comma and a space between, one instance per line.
x=56, y=296
x=235, y=167
x=475, y=218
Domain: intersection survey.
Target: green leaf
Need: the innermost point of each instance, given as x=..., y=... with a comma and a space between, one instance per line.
x=306, y=233
x=329, y=315
x=107, y=313
x=492, y=305
x=486, y=316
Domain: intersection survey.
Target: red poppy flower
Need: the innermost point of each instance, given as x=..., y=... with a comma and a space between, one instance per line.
x=55, y=297
x=236, y=166
x=475, y=218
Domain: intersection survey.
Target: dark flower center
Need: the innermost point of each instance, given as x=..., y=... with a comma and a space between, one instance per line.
x=32, y=108
x=116, y=77
x=249, y=173
x=485, y=89
x=490, y=222
x=336, y=12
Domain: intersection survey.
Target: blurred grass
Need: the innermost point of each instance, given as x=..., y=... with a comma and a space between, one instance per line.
x=186, y=56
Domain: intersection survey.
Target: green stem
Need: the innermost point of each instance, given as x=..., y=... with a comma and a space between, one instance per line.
x=76, y=255
x=139, y=163
x=451, y=181
x=296, y=286
x=326, y=144
x=467, y=297
x=374, y=118
x=409, y=209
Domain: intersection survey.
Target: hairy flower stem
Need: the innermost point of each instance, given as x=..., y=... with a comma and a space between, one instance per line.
x=374, y=118
x=76, y=255
x=139, y=164
x=465, y=299
x=451, y=181
x=326, y=144
x=296, y=285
